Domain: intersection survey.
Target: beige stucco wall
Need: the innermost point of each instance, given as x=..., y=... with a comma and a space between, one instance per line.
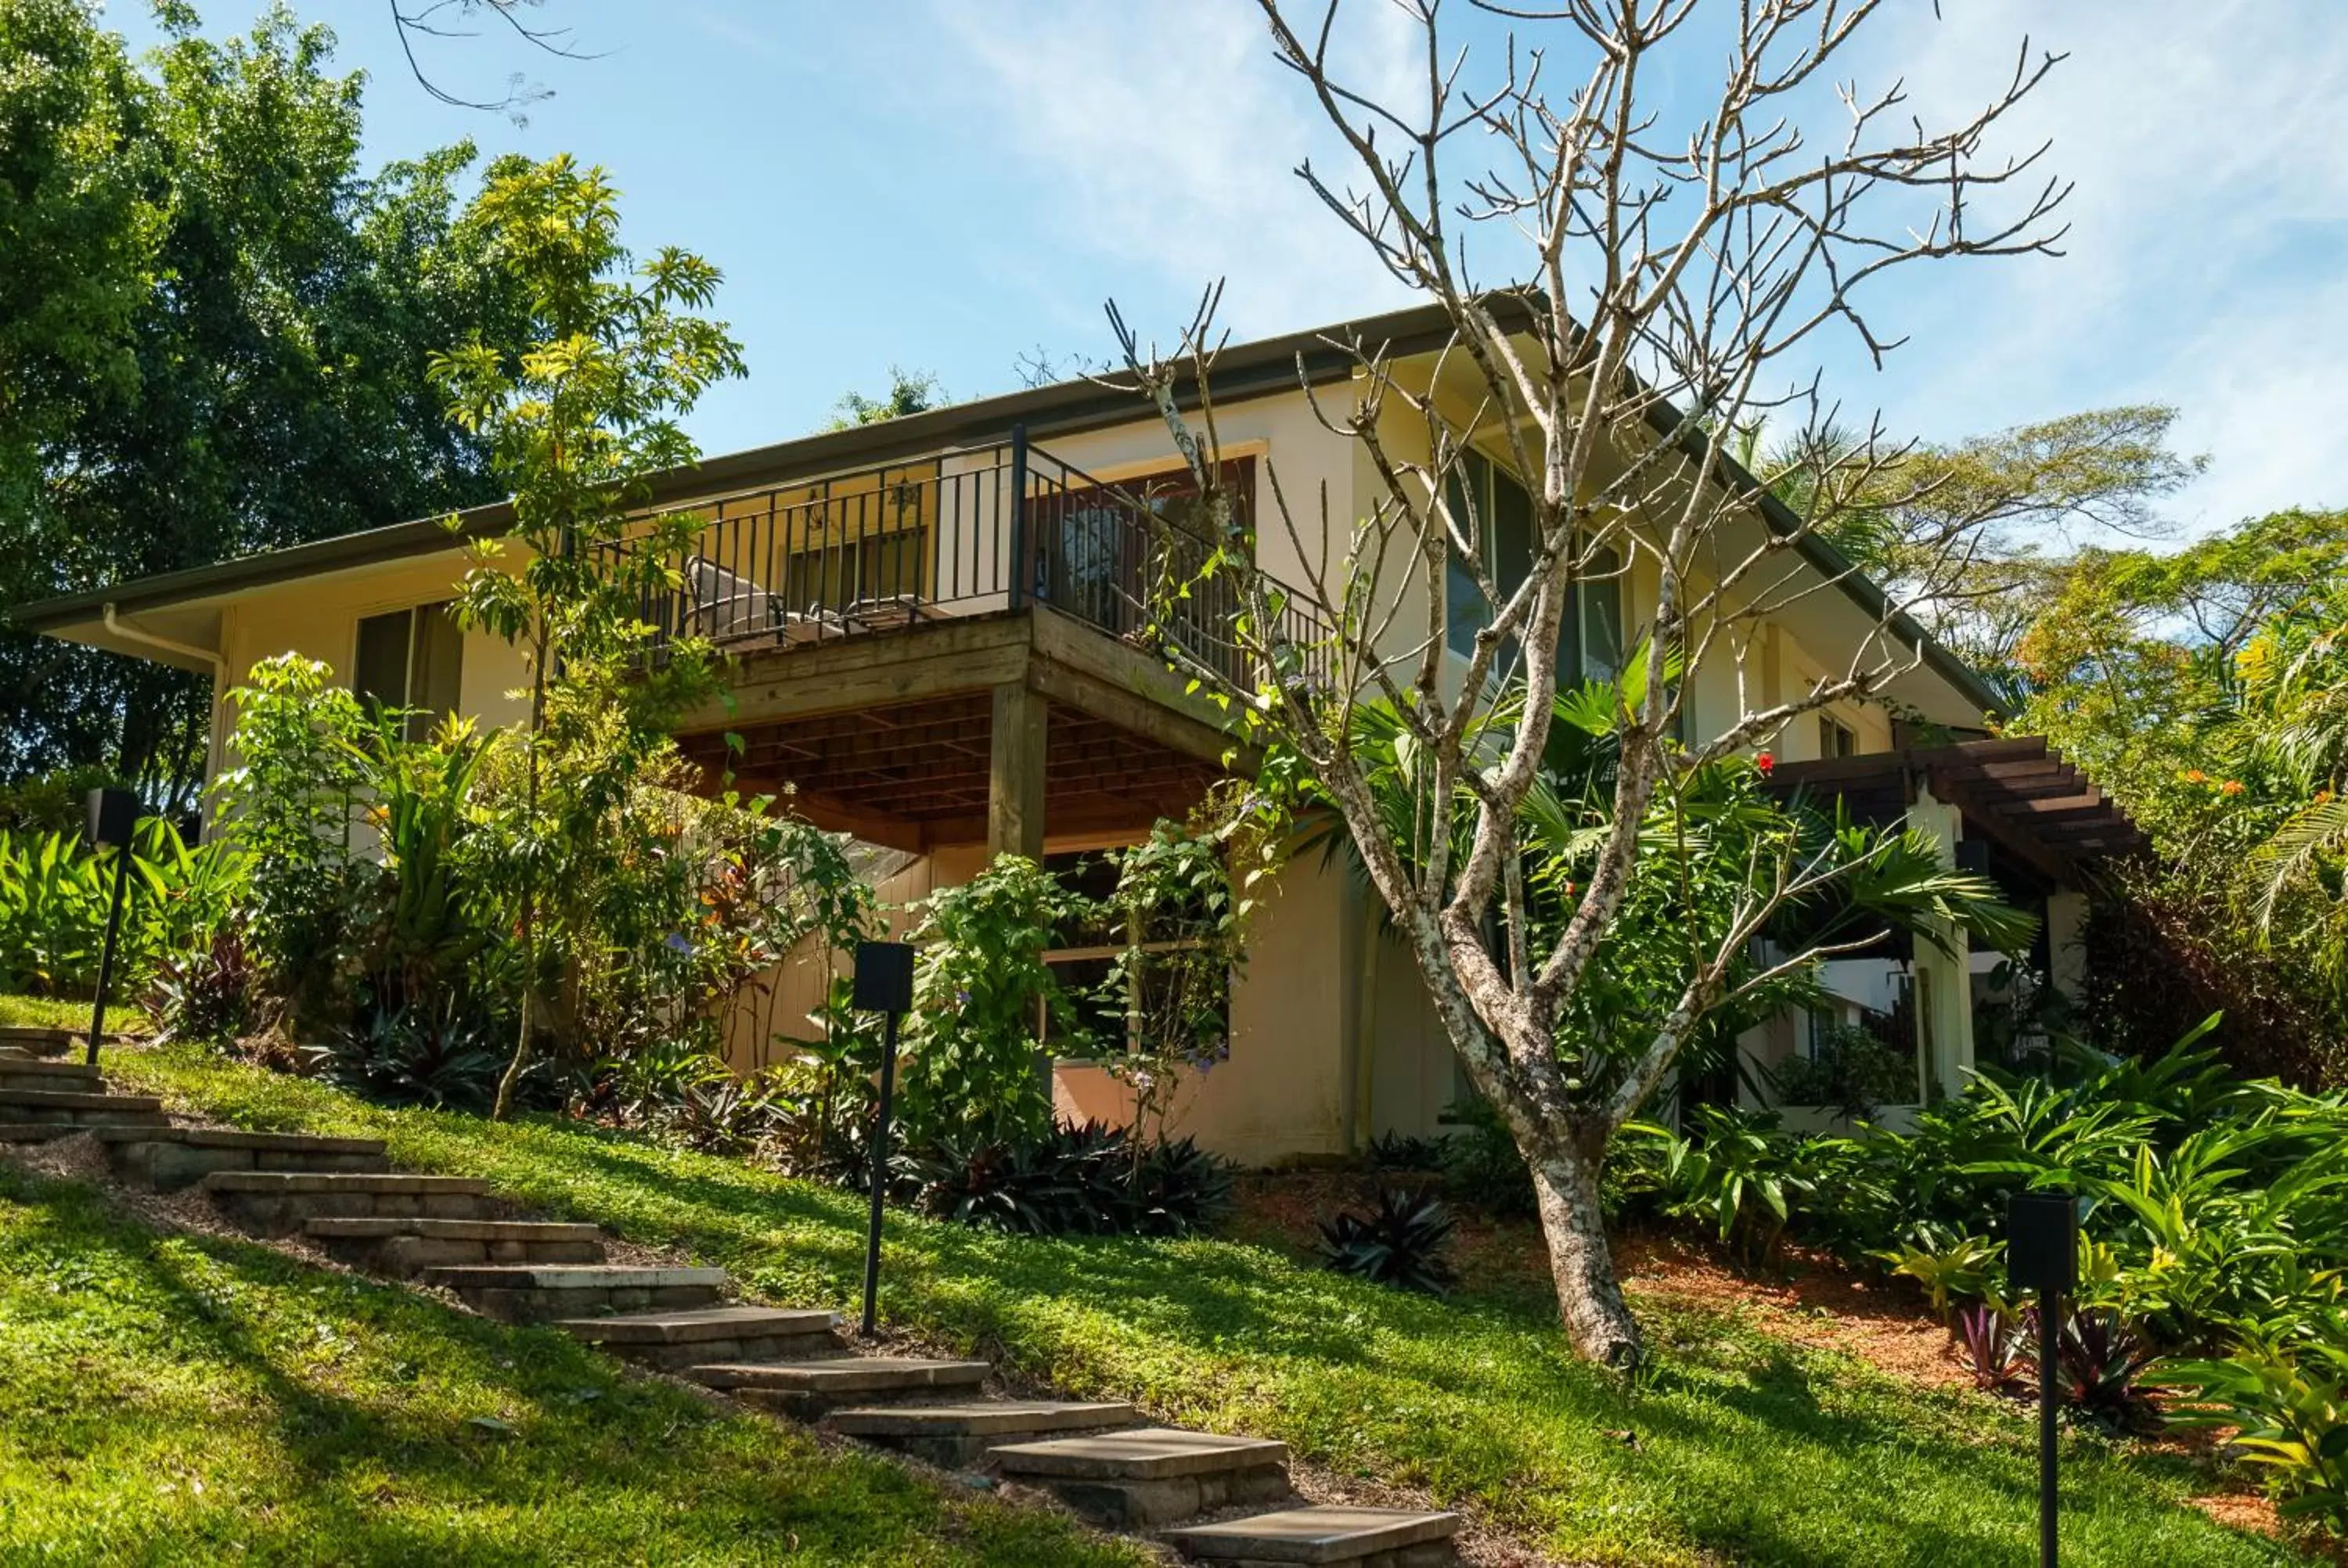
x=319, y=617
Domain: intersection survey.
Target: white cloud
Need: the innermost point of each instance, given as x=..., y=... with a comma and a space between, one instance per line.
x=2210, y=207
x=2201, y=268
x=1165, y=138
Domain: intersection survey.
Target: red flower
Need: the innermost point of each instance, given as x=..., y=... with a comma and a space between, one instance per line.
x=1765, y=762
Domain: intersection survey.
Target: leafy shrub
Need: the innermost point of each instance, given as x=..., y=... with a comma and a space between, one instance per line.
x=54, y=895
x=1400, y=1242
x=1396, y=1151
x=1849, y=1072
x=721, y=1115
x=980, y=989
x=208, y=995
x=1733, y=1170
x=1177, y=1188
x=1960, y=1268
x=402, y=1058
x=2291, y=1407
x=1080, y=1180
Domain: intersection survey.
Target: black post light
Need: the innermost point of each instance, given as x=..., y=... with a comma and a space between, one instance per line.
x=2042, y=1256
x=884, y=984
x=113, y=823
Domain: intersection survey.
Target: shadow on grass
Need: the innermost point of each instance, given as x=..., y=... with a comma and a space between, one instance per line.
x=1739, y=1446
x=401, y=1430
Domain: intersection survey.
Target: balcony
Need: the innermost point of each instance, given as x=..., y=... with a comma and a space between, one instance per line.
x=952, y=650
x=968, y=533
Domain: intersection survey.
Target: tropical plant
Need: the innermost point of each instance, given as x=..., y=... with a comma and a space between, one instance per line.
x=1996, y=1351
x=1400, y=1242
x=1177, y=1188
x=983, y=994
x=209, y=995
x=305, y=750
x=2289, y=1408
x=2100, y=1372
x=1180, y=917
x=573, y=426
x=1965, y=1268
x=1733, y=1170
x=1848, y=1072
x=401, y=1058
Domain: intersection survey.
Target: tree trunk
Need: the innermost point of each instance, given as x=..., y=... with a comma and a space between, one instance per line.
x=1589, y=1297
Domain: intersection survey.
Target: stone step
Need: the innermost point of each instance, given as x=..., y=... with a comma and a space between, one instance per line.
x=1139, y=1479
x=280, y=1203
x=807, y=1389
x=404, y=1248
x=1326, y=1534
x=47, y=1072
x=960, y=1434
x=82, y=1109
x=711, y=1336
x=169, y=1158
x=43, y=1040
x=541, y=1293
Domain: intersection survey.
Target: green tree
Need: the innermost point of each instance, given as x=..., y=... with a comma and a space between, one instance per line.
x=909, y=392
x=574, y=424
x=214, y=336
x=2010, y=494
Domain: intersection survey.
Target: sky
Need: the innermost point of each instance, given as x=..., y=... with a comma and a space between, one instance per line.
x=949, y=185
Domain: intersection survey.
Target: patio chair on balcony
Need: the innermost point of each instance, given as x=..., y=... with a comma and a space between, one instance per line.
x=725, y=606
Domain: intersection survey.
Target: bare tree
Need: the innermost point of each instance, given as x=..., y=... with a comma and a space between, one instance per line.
x=451, y=19
x=1668, y=281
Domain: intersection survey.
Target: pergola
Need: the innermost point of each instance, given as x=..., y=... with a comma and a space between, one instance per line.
x=2021, y=795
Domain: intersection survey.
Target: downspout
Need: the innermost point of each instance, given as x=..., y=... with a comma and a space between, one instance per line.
x=116, y=626
x=129, y=633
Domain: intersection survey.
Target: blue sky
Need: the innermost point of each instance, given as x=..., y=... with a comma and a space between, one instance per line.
x=949, y=184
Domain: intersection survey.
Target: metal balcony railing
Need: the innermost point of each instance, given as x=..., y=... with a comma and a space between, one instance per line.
x=966, y=533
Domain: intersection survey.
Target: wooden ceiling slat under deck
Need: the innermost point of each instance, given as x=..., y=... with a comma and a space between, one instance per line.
x=924, y=764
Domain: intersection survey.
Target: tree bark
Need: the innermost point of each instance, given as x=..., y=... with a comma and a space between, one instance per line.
x=1589, y=1296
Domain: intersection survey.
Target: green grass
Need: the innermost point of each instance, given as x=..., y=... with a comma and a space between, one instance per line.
x=166, y=1400
x=48, y=1012
x=1738, y=1447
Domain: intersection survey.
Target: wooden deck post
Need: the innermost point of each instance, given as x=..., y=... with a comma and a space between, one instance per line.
x=1014, y=790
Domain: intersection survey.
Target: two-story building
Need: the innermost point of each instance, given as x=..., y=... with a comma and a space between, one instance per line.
x=933, y=648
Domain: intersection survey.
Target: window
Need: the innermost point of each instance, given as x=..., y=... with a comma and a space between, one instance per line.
x=1084, y=959
x=1485, y=497
x=1836, y=738
x=1598, y=611
x=410, y=659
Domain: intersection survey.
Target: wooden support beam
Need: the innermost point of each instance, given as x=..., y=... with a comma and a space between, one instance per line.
x=1016, y=763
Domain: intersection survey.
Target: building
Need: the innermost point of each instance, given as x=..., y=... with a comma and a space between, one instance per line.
x=932, y=650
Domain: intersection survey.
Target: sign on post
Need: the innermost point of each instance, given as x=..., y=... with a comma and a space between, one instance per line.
x=113, y=823
x=883, y=984
x=2042, y=1259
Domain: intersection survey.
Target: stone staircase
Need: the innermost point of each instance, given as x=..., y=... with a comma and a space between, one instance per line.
x=1211, y=1498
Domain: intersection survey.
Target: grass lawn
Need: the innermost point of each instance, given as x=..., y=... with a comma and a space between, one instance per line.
x=46, y=1012
x=1738, y=1447
x=166, y=1400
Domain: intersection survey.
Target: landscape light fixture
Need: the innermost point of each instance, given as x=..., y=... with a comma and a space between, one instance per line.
x=113, y=823
x=2042, y=1256
x=884, y=984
